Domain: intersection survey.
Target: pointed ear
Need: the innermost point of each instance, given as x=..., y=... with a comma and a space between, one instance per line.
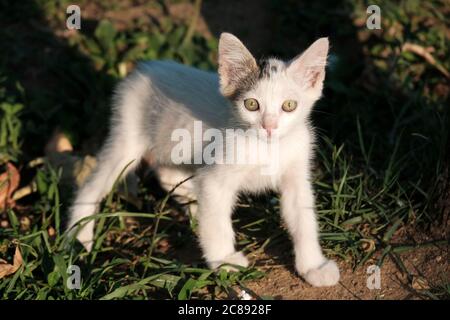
x=236, y=64
x=308, y=69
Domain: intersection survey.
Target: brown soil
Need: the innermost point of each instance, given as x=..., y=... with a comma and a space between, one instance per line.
x=427, y=269
x=420, y=273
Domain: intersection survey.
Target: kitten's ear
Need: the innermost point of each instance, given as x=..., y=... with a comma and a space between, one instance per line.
x=236, y=64
x=308, y=69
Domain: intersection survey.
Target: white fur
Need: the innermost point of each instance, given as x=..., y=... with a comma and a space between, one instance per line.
x=162, y=96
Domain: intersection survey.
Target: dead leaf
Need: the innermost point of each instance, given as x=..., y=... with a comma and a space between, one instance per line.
x=420, y=283
x=7, y=269
x=9, y=181
x=75, y=170
x=83, y=168
x=163, y=245
x=25, y=223
x=58, y=143
x=367, y=245
x=51, y=232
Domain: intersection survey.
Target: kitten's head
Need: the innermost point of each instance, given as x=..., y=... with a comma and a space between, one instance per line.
x=273, y=95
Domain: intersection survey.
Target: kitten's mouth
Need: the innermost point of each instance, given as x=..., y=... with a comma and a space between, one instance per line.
x=267, y=135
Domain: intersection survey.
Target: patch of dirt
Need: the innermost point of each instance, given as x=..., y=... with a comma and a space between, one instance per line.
x=427, y=270
x=420, y=273
x=126, y=13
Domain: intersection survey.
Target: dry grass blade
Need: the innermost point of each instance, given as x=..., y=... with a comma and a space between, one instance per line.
x=25, y=191
x=425, y=53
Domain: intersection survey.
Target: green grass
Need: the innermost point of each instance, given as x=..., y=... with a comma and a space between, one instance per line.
x=382, y=136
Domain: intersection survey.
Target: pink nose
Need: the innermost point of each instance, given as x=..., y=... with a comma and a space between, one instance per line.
x=269, y=127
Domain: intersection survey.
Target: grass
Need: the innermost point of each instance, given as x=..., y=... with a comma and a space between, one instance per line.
x=383, y=130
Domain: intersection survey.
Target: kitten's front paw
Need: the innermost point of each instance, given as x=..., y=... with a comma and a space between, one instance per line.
x=325, y=275
x=237, y=258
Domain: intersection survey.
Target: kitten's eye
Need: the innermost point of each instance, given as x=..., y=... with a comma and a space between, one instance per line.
x=289, y=105
x=251, y=104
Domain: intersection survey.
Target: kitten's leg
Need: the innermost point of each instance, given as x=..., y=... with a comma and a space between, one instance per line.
x=122, y=152
x=170, y=177
x=116, y=157
x=216, y=194
x=297, y=204
x=131, y=184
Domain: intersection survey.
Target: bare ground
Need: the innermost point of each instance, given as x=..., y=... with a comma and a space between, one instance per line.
x=427, y=268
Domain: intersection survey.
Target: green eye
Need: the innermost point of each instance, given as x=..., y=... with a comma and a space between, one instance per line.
x=289, y=105
x=251, y=104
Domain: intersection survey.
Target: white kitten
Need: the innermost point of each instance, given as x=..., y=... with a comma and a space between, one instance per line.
x=273, y=97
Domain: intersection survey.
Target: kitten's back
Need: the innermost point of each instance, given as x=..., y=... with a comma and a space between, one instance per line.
x=186, y=90
x=160, y=97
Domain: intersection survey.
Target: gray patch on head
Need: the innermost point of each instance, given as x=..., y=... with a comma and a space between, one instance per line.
x=270, y=67
x=266, y=69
